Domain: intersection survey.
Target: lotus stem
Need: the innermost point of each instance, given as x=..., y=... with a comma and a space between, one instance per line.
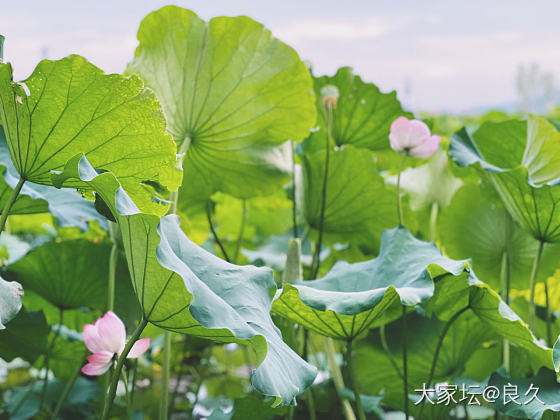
x=548, y=316
x=164, y=402
x=47, y=357
x=533, y=282
x=399, y=206
x=127, y=396
x=505, y=280
x=405, y=360
x=433, y=221
x=353, y=385
x=11, y=200
x=438, y=349
x=67, y=390
x=337, y=378
x=213, y=230
x=241, y=230
x=294, y=190
x=110, y=397
x=316, y=264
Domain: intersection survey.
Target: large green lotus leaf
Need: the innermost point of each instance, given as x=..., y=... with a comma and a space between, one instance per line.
x=69, y=106
x=527, y=407
x=62, y=273
x=375, y=371
x=10, y=301
x=233, y=91
x=362, y=117
x=25, y=337
x=358, y=204
x=522, y=160
x=453, y=295
x=83, y=391
x=67, y=205
x=476, y=225
x=183, y=288
x=354, y=297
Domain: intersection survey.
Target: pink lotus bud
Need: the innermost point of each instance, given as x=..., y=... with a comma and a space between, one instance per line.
x=106, y=338
x=413, y=138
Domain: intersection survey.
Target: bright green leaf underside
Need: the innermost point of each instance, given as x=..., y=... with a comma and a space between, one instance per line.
x=521, y=159
x=185, y=289
x=475, y=225
x=363, y=114
x=73, y=107
x=358, y=204
x=354, y=297
x=232, y=92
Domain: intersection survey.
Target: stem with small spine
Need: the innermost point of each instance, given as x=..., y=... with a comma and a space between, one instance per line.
x=438, y=349
x=353, y=385
x=399, y=206
x=316, y=263
x=241, y=230
x=110, y=397
x=533, y=282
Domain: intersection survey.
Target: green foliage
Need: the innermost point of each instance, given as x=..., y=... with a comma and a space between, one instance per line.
x=168, y=269
x=520, y=159
x=352, y=298
x=221, y=124
x=72, y=107
x=232, y=95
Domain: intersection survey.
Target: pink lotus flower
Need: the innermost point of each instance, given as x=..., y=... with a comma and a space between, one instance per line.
x=413, y=138
x=106, y=338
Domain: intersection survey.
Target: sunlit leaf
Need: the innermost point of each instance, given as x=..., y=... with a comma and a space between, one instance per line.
x=185, y=289
x=476, y=225
x=352, y=298
x=230, y=90
x=521, y=158
x=358, y=204
x=73, y=107
x=362, y=117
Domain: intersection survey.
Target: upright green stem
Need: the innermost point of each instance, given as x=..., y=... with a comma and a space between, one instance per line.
x=241, y=230
x=438, y=349
x=405, y=360
x=67, y=389
x=110, y=397
x=353, y=385
x=164, y=401
x=294, y=190
x=337, y=378
x=533, y=282
x=213, y=230
x=387, y=350
x=127, y=396
x=308, y=391
x=11, y=200
x=399, y=206
x=47, y=358
x=433, y=221
x=317, y=255
x=505, y=281
x=548, y=316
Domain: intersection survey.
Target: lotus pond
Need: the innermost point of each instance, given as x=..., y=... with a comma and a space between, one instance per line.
x=222, y=233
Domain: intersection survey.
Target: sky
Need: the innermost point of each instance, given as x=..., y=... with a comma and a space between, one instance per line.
x=441, y=56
